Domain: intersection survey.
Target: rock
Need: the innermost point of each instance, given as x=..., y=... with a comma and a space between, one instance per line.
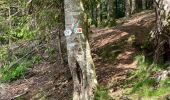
x=168, y=97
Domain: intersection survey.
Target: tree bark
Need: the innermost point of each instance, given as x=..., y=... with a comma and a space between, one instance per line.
x=133, y=6
x=161, y=34
x=79, y=56
x=128, y=9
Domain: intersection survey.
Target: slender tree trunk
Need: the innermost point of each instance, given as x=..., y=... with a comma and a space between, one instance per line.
x=101, y=12
x=95, y=12
x=92, y=13
x=79, y=56
x=128, y=9
x=110, y=9
x=144, y=4
x=133, y=6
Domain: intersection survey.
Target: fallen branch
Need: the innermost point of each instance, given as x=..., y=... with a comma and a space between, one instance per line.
x=19, y=95
x=23, y=57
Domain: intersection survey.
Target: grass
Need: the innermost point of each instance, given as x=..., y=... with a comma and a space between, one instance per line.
x=16, y=64
x=102, y=93
x=145, y=81
x=146, y=88
x=9, y=74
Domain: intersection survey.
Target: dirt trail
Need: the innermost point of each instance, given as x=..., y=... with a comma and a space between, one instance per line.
x=48, y=80
x=53, y=82
x=114, y=73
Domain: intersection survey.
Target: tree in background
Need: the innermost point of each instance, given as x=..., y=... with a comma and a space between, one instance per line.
x=133, y=6
x=143, y=4
x=79, y=56
x=128, y=9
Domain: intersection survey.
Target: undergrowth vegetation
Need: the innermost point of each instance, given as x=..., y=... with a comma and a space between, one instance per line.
x=145, y=79
x=24, y=27
x=102, y=93
x=16, y=63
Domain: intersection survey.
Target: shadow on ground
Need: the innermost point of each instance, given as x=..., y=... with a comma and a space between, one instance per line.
x=116, y=71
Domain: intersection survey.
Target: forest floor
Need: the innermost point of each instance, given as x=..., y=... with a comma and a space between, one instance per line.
x=113, y=54
x=123, y=42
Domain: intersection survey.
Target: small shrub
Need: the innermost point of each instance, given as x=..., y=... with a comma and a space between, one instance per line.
x=36, y=59
x=3, y=54
x=102, y=94
x=16, y=64
x=10, y=73
x=144, y=81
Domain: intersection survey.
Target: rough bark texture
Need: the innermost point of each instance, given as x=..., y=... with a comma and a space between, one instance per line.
x=79, y=56
x=161, y=34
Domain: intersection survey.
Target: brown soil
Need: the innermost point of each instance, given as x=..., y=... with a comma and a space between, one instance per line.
x=114, y=74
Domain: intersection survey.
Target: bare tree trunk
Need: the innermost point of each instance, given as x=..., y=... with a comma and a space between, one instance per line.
x=161, y=34
x=100, y=12
x=133, y=6
x=143, y=4
x=128, y=9
x=110, y=9
x=95, y=12
x=79, y=56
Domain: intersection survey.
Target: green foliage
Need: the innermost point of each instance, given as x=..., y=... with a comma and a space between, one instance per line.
x=23, y=33
x=12, y=73
x=102, y=94
x=143, y=62
x=16, y=64
x=3, y=54
x=144, y=80
x=50, y=51
x=108, y=23
x=21, y=98
x=37, y=59
x=164, y=88
x=23, y=20
x=145, y=88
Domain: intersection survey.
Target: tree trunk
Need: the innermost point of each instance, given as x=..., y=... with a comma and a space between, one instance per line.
x=95, y=12
x=79, y=56
x=144, y=4
x=128, y=9
x=101, y=12
x=133, y=6
x=110, y=10
x=161, y=34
